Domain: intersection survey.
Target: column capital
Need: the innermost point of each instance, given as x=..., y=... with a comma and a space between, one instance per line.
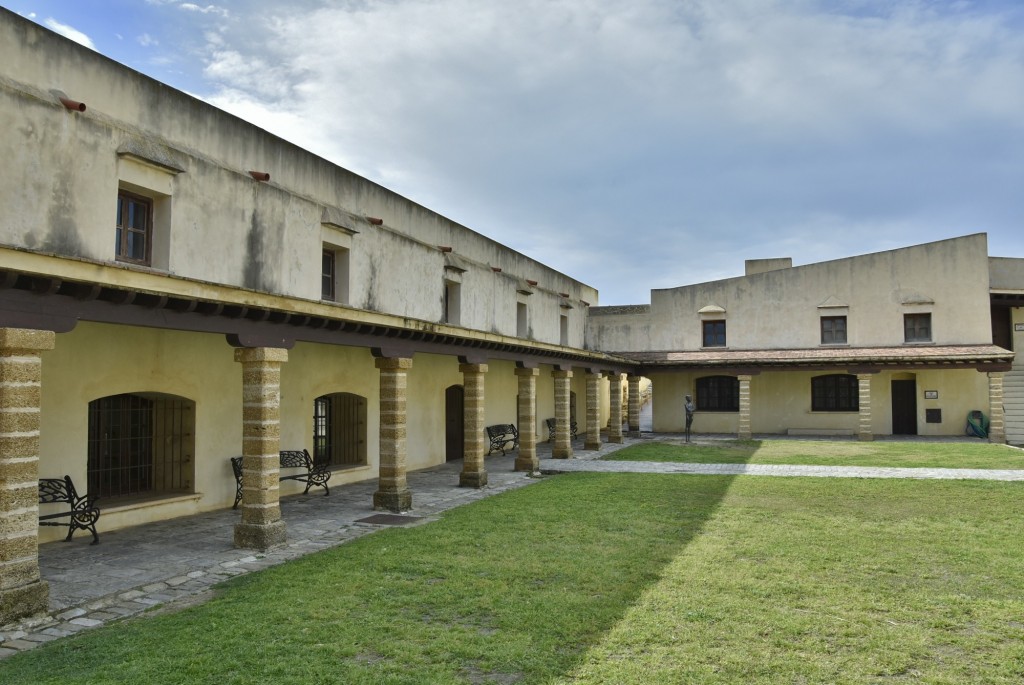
x=393, y=363
x=27, y=339
x=261, y=354
x=527, y=372
x=473, y=368
x=561, y=373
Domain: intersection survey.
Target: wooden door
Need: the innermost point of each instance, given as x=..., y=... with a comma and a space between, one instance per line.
x=454, y=423
x=904, y=407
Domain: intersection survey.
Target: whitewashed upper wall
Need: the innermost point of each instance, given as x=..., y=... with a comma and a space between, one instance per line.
x=65, y=170
x=782, y=309
x=1006, y=273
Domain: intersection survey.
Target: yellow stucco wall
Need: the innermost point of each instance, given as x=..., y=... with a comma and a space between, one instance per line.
x=201, y=368
x=781, y=401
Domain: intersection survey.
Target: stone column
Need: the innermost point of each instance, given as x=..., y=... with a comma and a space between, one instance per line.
x=473, y=475
x=593, y=441
x=562, y=449
x=526, y=459
x=615, y=410
x=261, y=526
x=864, y=431
x=744, y=428
x=633, y=409
x=996, y=415
x=392, y=490
x=23, y=592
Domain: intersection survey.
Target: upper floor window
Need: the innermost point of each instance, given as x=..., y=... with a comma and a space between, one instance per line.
x=134, y=228
x=328, y=276
x=835, y=392
x=452, y=303
x=714, y=333
x=718, y=393
x=833, y=330
x=917, y=327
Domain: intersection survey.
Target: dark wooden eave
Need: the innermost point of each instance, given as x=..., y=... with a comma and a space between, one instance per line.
x=850, y=359
x=51, y=303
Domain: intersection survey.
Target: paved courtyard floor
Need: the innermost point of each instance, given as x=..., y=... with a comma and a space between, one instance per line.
x=178, y=560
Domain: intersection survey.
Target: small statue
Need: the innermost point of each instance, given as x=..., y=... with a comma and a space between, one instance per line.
x=688, y=406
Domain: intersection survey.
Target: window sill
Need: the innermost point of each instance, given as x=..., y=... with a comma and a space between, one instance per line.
x=918, y=343
x=714, y=347
x=156, y=501
x=845, y=344
x=336, y=468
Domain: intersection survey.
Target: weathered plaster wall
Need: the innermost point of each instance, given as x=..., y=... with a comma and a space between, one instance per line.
x=782, y=309
x=214, y=222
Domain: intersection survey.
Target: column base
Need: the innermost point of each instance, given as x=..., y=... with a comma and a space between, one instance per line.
x=633, y=434
x=22, y=602
x=593, y=446
x=472, y=479
x=394, y=501
x=260, y=536
x=557, y=453
x=866, y=437
x=526, y=464
x=616, y=439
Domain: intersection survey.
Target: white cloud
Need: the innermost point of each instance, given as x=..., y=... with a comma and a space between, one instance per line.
x=69, y=32
x=146, y=40
x=688, y=128
x=209, y=9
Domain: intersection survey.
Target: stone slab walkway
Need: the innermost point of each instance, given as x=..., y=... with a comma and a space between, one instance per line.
x=179, y=560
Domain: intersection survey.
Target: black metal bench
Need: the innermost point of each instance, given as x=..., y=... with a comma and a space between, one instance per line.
x=551, y=429
x=501, y=435
x=313, y=473
x=82, y=510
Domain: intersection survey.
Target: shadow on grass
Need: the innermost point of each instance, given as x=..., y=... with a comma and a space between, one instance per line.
x=511, y=589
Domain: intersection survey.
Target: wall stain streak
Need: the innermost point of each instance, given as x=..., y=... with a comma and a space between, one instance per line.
x=62, y=237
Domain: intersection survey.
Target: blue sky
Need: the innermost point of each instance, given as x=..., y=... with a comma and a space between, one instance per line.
x=632, y=144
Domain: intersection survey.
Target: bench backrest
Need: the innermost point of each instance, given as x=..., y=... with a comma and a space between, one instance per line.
x=501, y=429
x=52, y=490
x=289, y=459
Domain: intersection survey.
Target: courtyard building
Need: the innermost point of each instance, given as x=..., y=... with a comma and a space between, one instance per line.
x=179, y=287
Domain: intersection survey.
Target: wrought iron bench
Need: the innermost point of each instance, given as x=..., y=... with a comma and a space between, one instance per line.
x=551, y=429
x=82, y=510
x=312, y=473
x=501, y=435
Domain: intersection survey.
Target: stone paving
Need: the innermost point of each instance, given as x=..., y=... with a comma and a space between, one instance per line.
x=178, y=560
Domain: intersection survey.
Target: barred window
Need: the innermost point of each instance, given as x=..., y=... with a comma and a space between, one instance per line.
x=339, y=429
x=718, y=393
x=836, y=392
x=140, y=445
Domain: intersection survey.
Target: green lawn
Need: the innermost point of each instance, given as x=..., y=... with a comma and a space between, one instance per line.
x=615, y=578
x=954, y=455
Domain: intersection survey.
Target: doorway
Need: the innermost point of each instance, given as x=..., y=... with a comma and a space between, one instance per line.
x=454, y=423
x=904, y=407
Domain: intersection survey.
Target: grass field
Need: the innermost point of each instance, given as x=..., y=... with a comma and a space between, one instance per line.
x=954, y=455
x=615, y=578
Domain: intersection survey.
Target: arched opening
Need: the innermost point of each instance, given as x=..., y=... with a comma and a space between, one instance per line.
x=339, y=429
x=141, y=445
x=454, y=423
